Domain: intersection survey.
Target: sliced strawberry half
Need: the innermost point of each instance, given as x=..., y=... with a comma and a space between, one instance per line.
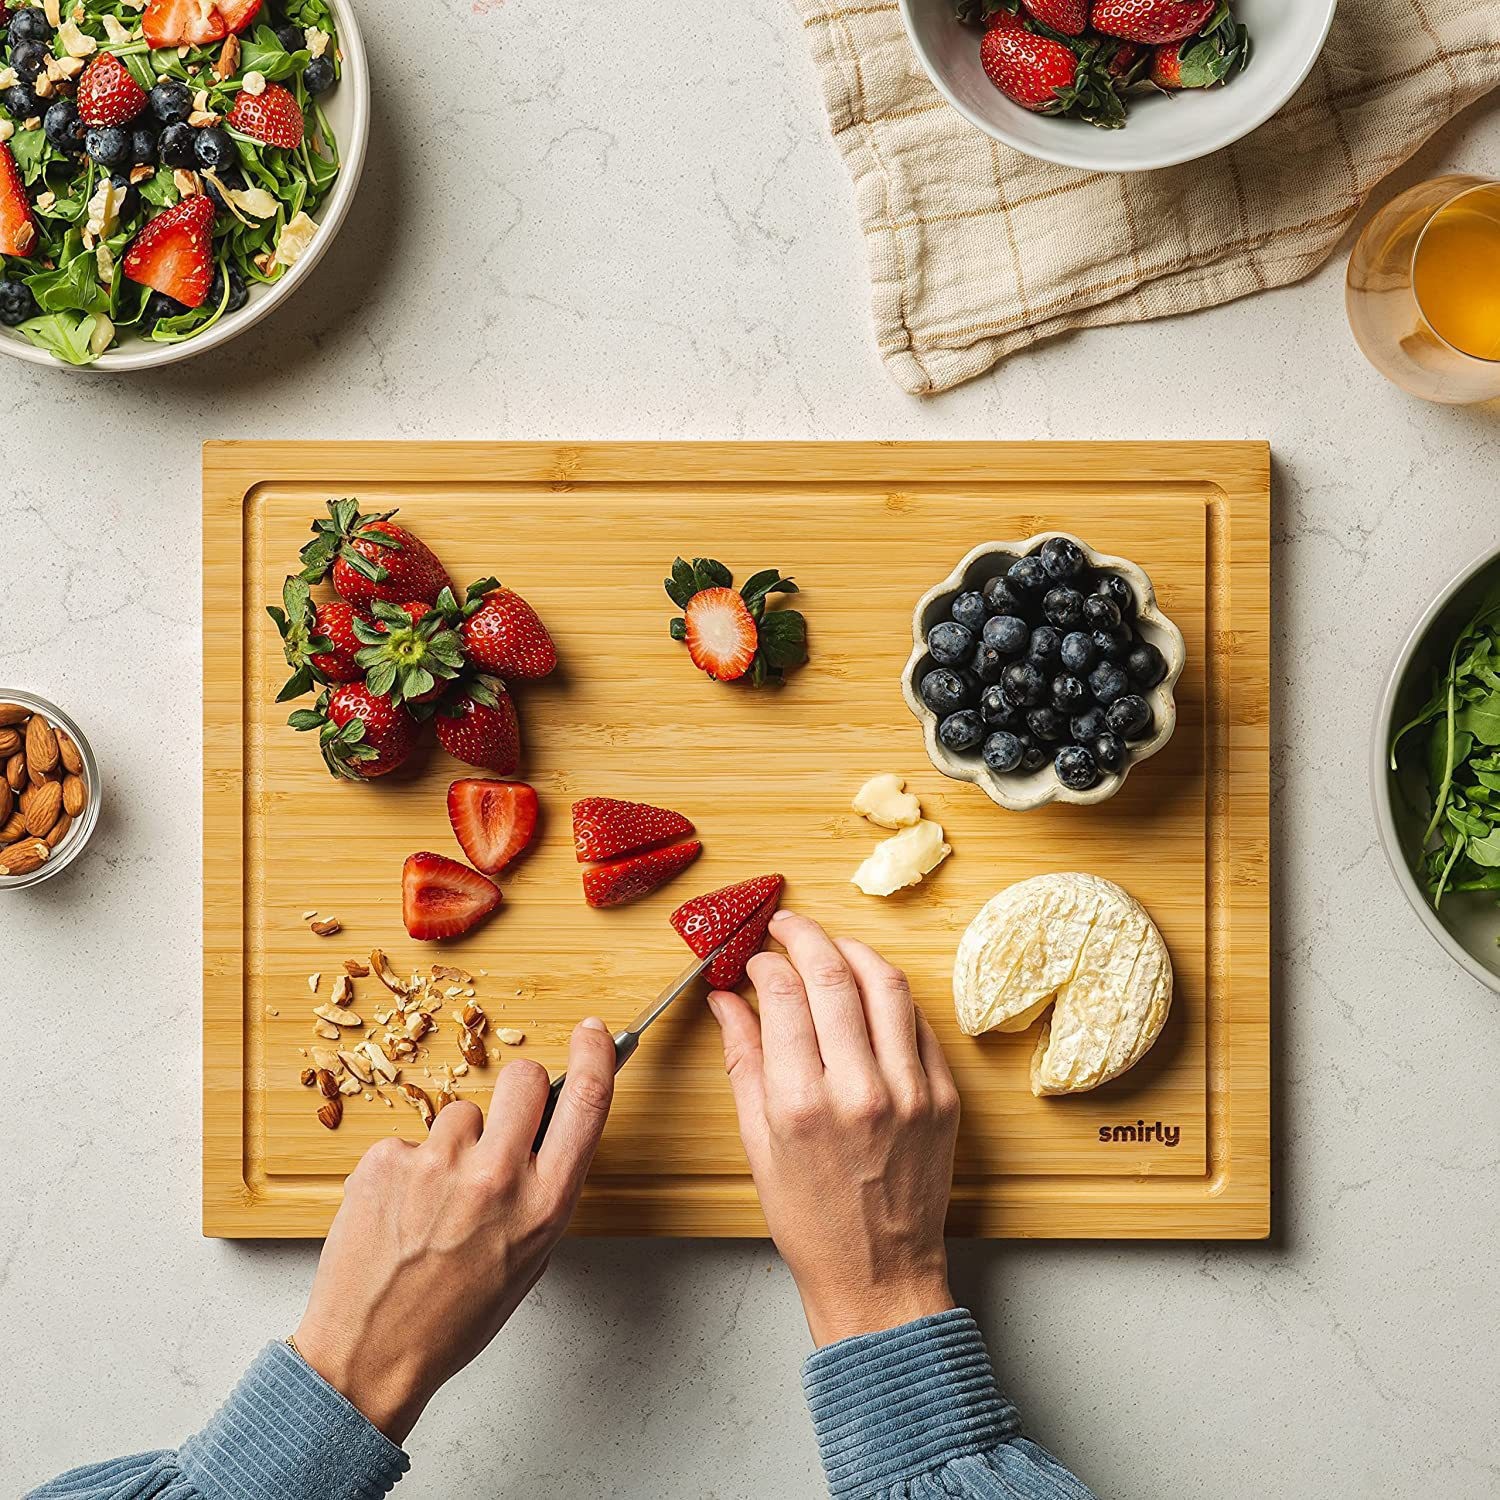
x=637, y=875
x=441, y=898
x=493, y=821
x=237, y=14
x=744, y=910
x=604, y=827
x=17, y=227
x=174, y=252
x=107, y=94
x=181, y=23
x=720, y=633
x=271, y=116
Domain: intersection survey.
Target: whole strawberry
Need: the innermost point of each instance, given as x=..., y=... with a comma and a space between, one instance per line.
x=1046, y=76
x=1071, y=17
x=1157, y=21
x=361, y=734
x=1201, y=62
x=318, y=640
x=476, y=723
x=371, y=558
x=503, y=634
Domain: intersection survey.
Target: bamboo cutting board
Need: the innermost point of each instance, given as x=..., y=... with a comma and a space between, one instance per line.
x=586, y=532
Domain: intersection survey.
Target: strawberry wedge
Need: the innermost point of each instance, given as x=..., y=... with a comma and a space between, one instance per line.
x=743, y=912
x=271, y=116
x=17, y=227
x=173, y=254
x=604, y=827
x=441, y=898
x=637, y=875
x=493, y=821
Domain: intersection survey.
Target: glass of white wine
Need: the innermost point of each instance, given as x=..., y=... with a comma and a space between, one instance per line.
x=1423, y=290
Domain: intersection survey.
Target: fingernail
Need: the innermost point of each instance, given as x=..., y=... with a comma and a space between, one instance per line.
x=713, y=1005
x=595, y=1024
x=781, y=916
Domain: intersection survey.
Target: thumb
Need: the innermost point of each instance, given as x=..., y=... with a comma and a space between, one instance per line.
x=739, y=1027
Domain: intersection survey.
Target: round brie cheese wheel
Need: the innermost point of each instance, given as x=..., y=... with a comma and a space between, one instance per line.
x=1082, y=947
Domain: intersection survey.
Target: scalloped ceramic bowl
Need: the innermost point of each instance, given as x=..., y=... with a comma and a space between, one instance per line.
x=348, y=109
x=1163, y=130
x=1021, y=791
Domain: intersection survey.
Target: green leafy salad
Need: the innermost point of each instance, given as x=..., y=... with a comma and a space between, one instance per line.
x=158, y=158
x=1457, y=736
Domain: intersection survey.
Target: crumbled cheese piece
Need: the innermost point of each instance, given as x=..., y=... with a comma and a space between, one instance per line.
x=317, y=41
x=102, y=336
x=253, y=83
x=7, y=129
x=116, y=30
x=75, y=43
x=294, y=240
x=61, y=69
x=104, y=209
x=7, y=78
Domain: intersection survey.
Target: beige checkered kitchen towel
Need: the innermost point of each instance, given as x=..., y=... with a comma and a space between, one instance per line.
x=977, y=251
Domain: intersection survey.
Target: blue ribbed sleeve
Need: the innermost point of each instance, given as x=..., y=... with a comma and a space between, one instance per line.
x=913, y=1414
x=283, y=1434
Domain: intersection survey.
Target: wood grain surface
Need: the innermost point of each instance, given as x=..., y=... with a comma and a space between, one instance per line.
x=586, y=532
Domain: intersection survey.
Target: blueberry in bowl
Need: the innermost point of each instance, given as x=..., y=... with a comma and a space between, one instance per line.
x=1043, y=671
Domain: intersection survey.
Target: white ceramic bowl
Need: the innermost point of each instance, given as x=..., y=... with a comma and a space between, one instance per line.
x=1468, y=926
x=347, y=106
x=1021, y=791
x=1287, y=36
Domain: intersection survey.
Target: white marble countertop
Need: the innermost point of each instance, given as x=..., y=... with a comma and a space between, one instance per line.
x=638, y=228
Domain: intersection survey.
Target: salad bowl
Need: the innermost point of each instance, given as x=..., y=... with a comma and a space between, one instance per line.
x=346, y=108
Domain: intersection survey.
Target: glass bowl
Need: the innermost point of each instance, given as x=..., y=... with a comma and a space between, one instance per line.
x=83, y=825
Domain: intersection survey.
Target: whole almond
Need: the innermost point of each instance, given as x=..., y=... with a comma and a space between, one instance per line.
x=13, y=828
x=41, y=745
x=58, y=832
x=7, y=802
x=10, y=742
x=75, y=795
x=15, y=770
x=331, y=1112
x=45, y=806
x=68, y=751
x=23, y=858
x=13, y=713
x=328, y=1085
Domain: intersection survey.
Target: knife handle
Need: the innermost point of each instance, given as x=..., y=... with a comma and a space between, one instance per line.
x=625, y=1044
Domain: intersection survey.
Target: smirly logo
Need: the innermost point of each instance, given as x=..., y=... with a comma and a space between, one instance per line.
x=1113, y=1135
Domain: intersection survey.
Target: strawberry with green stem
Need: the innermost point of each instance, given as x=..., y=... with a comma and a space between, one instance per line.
x=370, y=558
x=318, y=640
x=1050, y=76
x=476, y=723
x=361, y=734
x=501, y=633
x=1202, y=62
x=1156, y=22
x=409, y=651
x=733, y=634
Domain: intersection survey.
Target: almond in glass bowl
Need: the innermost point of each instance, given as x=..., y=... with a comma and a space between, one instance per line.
x=49, y=790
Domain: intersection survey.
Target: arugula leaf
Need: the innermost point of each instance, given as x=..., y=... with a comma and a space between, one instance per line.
x=73, y=287
x=62, y=335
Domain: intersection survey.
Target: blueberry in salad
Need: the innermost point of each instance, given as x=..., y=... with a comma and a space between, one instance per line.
x=1043, y=664
x=156, y=162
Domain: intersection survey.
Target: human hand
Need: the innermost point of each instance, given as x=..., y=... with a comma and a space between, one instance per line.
x=849, y=1116
x=436, y=1244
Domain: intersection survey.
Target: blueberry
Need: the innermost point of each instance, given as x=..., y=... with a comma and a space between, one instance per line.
x=108, y=145
x=1107, y=682
x=1046, y=646
x=1088, y=725
x=171, y=102
x=997, y=709
x=130, y=199
x=968, y=610
x=1063, y=607
x=987, y=664
x=1047, y=725
x=1109, y=751
x=1033, y=755
x=1000, y=599
x=1003, y=751
x=29, y=59
x=317, y=76
x=1070, y=695
x=1145, y=665
x=1024, y=684
x=292, y=38
x=16, y=303
x=63, y=127
x=962, y=732
x=1113, y=645
x=949, y=644
x=1008, y=634
x=1076, y=768
x=29, y=25
x=1129, y=717
x=21, y=102
x=175, y=148
x=1115, y=589
x=1078, y=652
x=159, y=306
x=216, y=149
x=1063, y=559
x=944, y=691
x=238, y=295
x=1027, y=577
x=142, y=146
x=1101, y=612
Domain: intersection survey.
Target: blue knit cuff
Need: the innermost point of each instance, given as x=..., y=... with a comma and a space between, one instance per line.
x=285, y=1431
x=890, y=1406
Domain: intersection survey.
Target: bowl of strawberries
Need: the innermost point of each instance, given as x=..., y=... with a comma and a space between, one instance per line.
x=1117, y=85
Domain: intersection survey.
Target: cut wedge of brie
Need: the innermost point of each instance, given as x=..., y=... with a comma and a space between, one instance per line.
x=1086, y=949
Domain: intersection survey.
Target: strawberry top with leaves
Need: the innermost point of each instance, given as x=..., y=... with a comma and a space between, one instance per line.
x=1157, y=21
x=17, y=227
x=503, y=634
x=360, y=733
x=476, y=723
x=744, y=911
x=408, y=651
x=318, y=640
x=371, y=558
x=732, y=635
